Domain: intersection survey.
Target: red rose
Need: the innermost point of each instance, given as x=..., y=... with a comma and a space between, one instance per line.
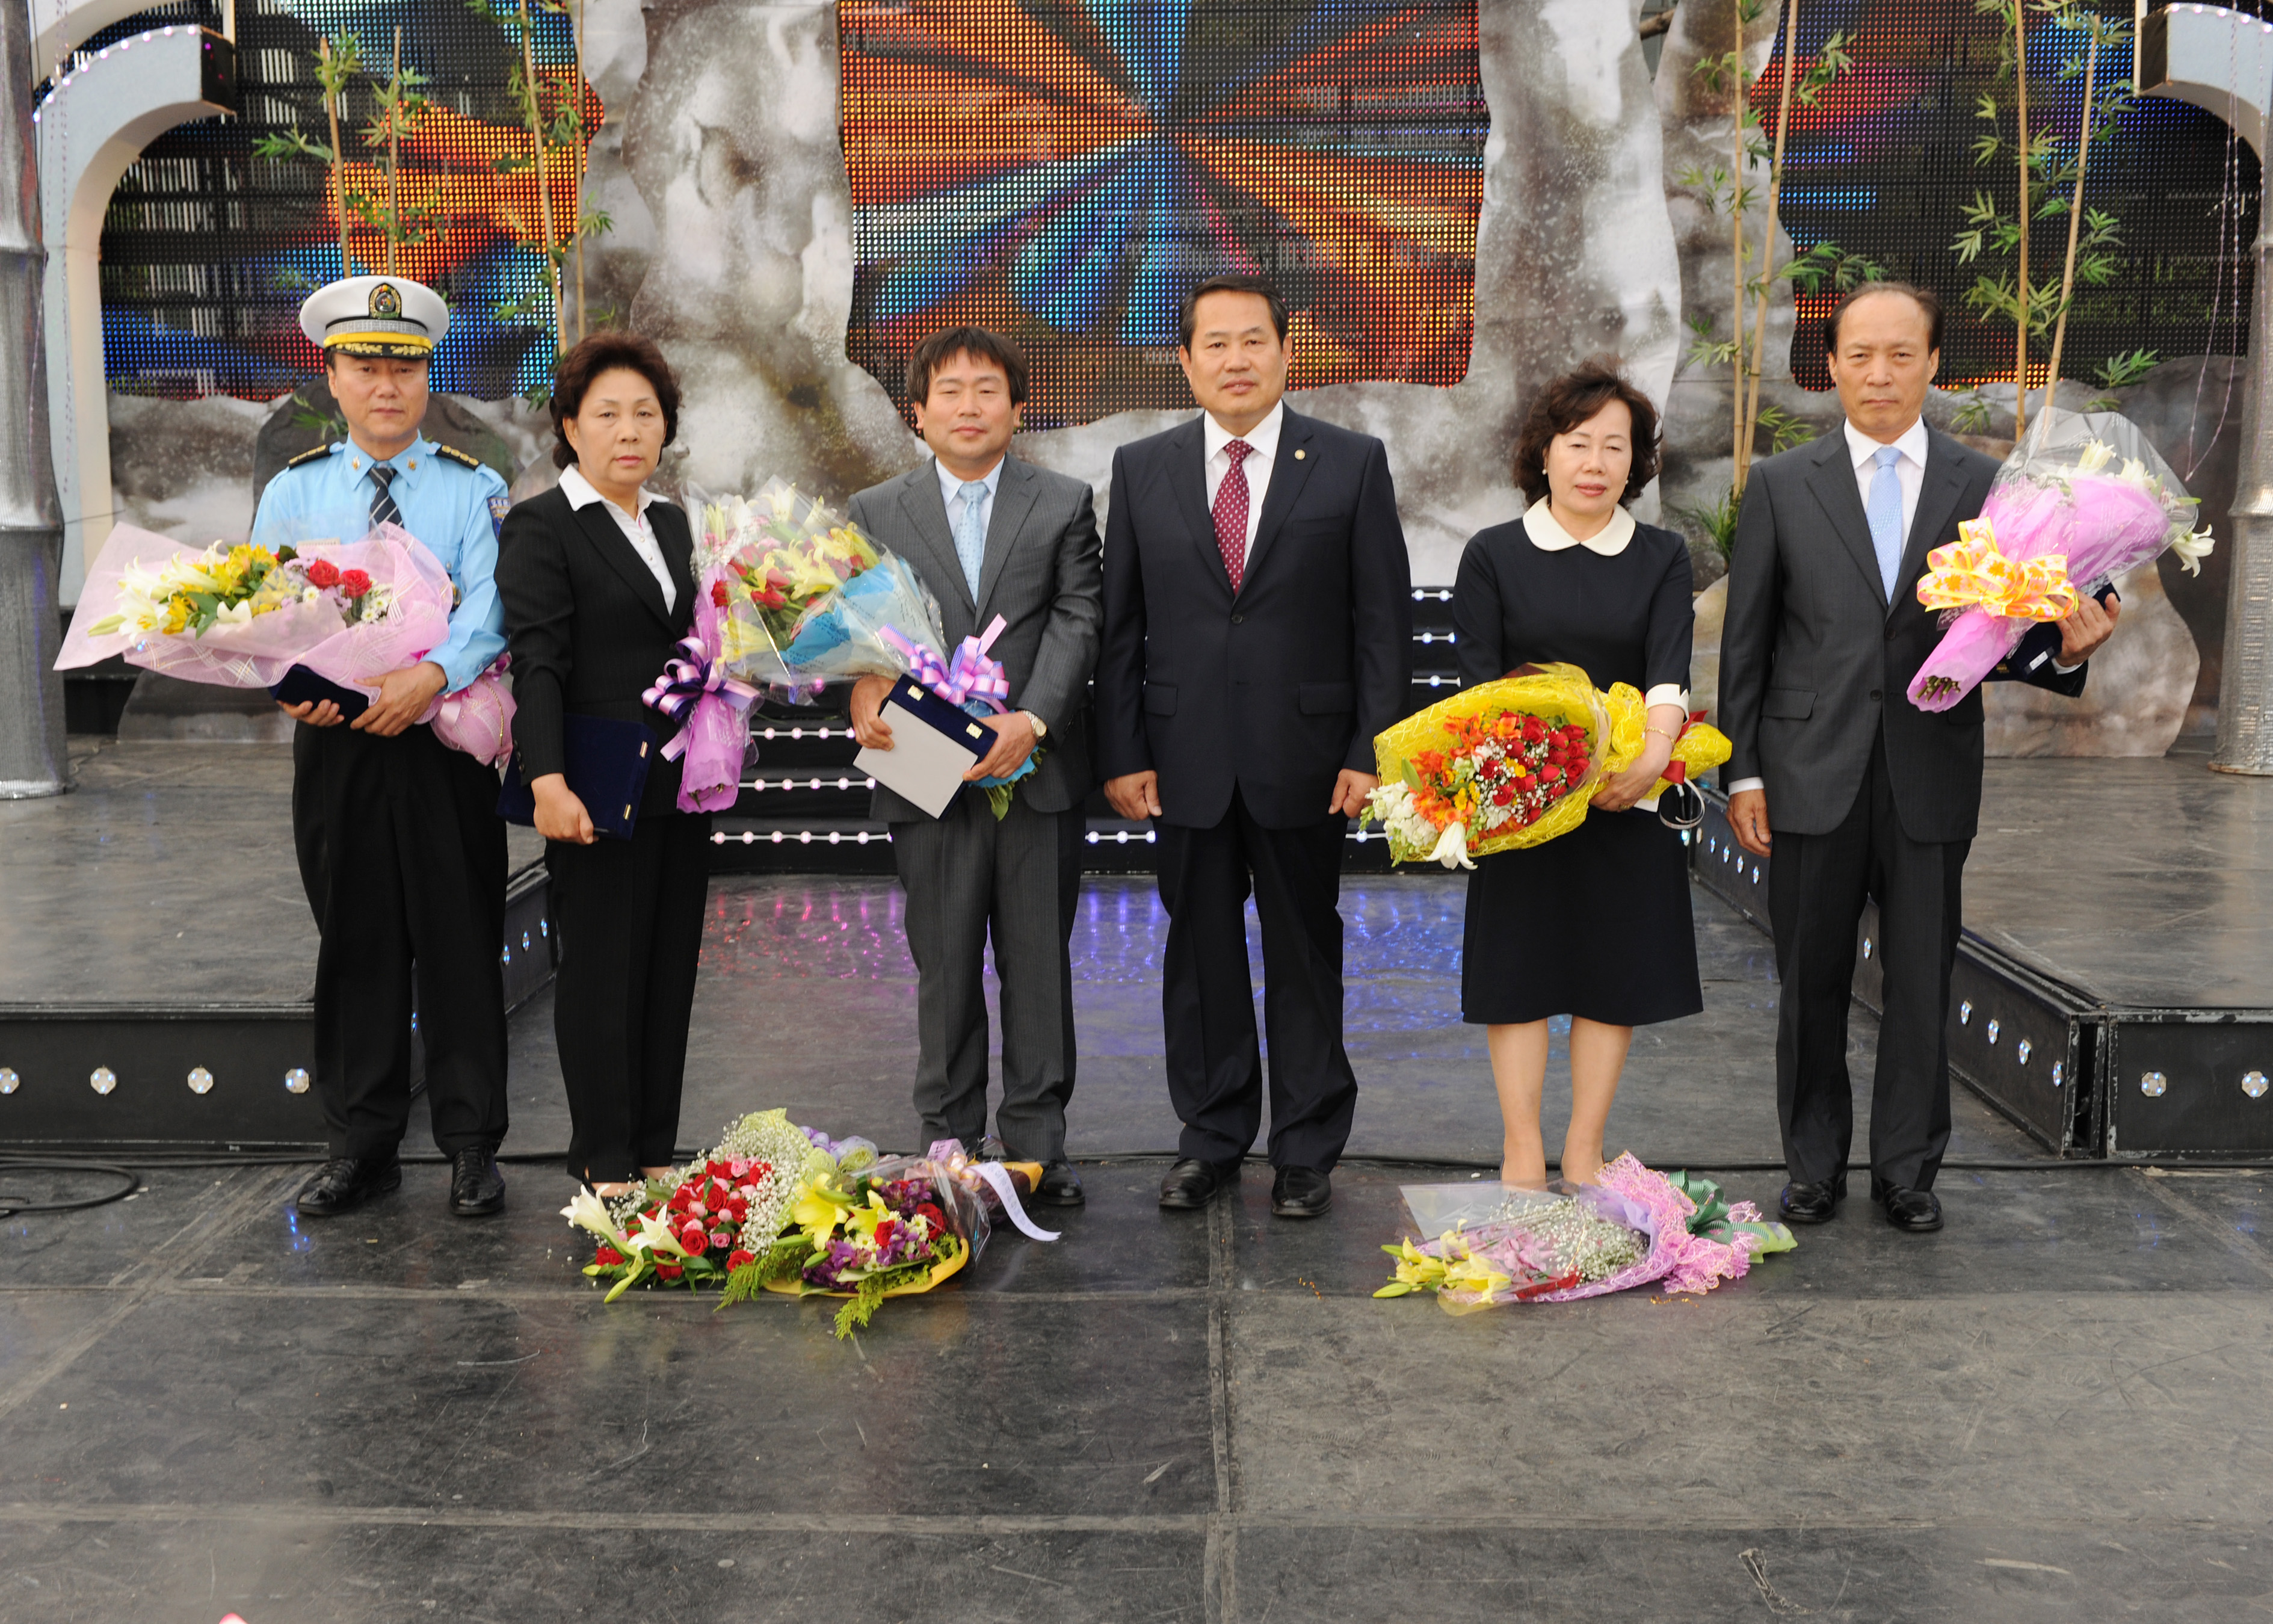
x=607, y=1257
x=694, y=1237
x=323, y=575
x=670, y=1271
x=932, y=1216
x=354, y=583
x=718, y=593
x=738, y=1257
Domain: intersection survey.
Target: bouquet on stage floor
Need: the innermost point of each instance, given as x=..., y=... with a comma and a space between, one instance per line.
x=243, y=616
x=1513, y=763
x=704, y=1221
x=777, y=1207
x=1496, y=1245
x=2084, y=498
x=867, y=1229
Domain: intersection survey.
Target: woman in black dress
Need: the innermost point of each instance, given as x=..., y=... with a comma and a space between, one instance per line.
x=1594, y=924
x=596, y=575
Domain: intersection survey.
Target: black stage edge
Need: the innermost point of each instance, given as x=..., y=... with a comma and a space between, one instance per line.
x=2113, y=993
x=156, y=992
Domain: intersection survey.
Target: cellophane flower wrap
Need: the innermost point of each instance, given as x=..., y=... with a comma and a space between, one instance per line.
x=807, y=595
x=1513, y=764
x=243, y=615
x=699, y=690
x=704, y=1221
x=2082, y=499
x=1496, y=1245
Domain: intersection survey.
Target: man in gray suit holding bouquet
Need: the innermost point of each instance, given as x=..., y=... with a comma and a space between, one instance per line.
x=1870, y=796
x=993, y=536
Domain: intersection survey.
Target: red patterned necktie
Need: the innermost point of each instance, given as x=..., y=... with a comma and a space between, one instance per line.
x=1231, y=513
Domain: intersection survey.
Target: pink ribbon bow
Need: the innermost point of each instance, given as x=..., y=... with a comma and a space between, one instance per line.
x=972, y=673
x=686, y=682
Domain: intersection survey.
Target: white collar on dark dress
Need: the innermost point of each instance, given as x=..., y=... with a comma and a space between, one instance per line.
x=1549, y=536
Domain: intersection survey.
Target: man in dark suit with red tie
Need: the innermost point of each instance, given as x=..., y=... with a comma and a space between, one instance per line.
x=1258, y=633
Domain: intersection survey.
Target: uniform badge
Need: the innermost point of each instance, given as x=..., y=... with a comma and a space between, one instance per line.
x=385, y=301
x=497, y=507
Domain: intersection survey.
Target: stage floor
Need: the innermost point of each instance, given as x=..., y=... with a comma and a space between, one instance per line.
x=2147, y=882
x=2049, y=1409
x=165, y=878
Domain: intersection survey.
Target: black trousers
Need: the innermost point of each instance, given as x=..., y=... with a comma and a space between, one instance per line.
x=402, y=856
x=1207, y=1002
x=970, y=878
x=1817, y=887
x=629, y=915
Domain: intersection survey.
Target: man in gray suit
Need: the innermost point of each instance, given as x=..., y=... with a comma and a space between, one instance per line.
x=993, y=536
x=1873, y=796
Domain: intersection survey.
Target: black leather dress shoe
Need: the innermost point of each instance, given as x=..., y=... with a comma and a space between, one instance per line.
x=1060, y=1186
x=1916, y=1211
x=477, y=1187
x=346, y=1183
x=1192, y=1184
x=1811, y=1203
x=1301, y=1192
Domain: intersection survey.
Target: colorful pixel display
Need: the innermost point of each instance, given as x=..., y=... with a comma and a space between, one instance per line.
x=1063, y=170
x=1883, y=166
x=209, y=250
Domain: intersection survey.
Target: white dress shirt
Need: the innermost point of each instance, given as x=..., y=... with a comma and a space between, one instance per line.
x=1909, y=468
x=582, y=493
x=1263, y=440
x=950, y=489
x=1910, y=473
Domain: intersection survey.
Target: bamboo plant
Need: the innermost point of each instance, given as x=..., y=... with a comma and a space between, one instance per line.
x=2050, y=178
x=1754, y=271
x=338, y=60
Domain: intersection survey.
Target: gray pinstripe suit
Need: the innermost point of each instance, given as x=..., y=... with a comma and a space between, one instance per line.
x=968, y=878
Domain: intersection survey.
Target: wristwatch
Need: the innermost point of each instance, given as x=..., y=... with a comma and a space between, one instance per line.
x=1041, y=728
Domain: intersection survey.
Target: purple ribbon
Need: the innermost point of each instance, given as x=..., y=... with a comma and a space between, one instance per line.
x=686, y=682
x=971, y=675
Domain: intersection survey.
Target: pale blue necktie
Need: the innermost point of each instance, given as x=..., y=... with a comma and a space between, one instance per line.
x=1886, y=514
x=971, y=532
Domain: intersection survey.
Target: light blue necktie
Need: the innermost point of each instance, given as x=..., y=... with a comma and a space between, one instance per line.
x=1886, y=514
x=971, y=532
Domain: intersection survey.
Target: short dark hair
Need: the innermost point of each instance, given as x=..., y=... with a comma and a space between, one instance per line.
x=1568, y=401
x=980, y=345
x=608, y=350
x=1233, y=282
x=1925, y=299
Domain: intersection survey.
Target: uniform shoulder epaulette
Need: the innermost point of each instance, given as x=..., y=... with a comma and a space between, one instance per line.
x=456, y=456
x=323, y=450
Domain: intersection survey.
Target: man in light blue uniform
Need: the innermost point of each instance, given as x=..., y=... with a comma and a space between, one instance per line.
x=399, y=844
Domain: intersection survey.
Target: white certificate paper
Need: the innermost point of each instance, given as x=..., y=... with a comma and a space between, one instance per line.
x=925, y=764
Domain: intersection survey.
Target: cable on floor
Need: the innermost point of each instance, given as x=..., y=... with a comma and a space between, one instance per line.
x=11, y=1204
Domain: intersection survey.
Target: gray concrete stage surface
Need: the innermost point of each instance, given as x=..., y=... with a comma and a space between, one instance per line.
x=2054, y=1409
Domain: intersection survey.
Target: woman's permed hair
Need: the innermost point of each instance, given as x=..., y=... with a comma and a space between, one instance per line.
x=1568, y=401
x=607, y=351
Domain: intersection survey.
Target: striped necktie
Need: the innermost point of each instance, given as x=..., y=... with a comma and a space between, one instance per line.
x=383, y=510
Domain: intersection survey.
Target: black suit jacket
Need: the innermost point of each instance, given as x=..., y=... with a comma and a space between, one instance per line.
x=587, y=628
x=1815, y=662
x=1278, y=690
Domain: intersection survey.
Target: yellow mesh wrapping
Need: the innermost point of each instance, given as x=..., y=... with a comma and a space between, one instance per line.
x=1614, y=722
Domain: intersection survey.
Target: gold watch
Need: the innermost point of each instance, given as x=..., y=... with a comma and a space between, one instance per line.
x=1041, y=728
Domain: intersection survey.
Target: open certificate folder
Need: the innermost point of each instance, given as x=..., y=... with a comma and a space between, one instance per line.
x=933, y=744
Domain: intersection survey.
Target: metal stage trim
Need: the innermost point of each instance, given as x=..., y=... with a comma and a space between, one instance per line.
x=117, y=1077
x=2085, y=1077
